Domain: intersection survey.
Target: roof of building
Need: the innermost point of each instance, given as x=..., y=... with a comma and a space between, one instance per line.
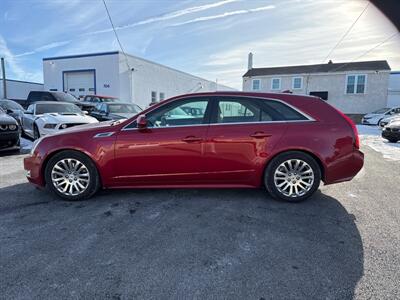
x=321, y=68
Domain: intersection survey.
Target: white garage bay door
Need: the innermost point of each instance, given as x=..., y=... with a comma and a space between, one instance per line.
x=79, y=83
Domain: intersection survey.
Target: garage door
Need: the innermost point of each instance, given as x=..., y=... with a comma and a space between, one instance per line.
x=79, y=83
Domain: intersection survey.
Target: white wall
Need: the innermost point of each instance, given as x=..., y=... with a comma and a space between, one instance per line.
x=19, y=90
x=106, y=66
x=375, y=96
x=394, y=89
x=114, y=77
x=150, y=76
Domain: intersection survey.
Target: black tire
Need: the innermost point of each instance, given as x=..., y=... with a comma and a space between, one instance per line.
x=36, y=133
x=94, y=178
x=274, y=164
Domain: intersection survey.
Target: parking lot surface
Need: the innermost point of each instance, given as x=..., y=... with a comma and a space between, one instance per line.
x=344, y=242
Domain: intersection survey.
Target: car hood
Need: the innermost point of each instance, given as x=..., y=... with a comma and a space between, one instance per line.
x=67, y=118
x=388, y=119
x=99, y=126
x=394, y=124
x=6, y=119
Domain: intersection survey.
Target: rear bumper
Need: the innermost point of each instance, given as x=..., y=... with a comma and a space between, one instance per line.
x=32, y=166
x=345, y=168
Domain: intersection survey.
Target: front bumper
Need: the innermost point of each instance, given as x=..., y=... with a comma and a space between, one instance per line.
x=9, y=140
x=391, y=133
x=368, y=121
x=33, y=166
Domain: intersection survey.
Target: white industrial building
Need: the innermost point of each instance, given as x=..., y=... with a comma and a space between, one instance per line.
x=19, y=90
x=129, y=78
x=394, y=89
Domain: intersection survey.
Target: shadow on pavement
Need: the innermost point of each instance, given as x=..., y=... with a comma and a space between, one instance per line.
x=177, y=244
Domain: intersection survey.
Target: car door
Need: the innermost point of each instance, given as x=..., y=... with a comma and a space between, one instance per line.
x=170, y=151
x=241, y=135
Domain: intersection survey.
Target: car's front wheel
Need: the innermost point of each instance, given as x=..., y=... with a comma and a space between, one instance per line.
x=72, y=175
x=292, y=176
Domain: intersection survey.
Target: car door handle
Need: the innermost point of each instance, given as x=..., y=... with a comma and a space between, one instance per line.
x=260, y=135
x=192, y=139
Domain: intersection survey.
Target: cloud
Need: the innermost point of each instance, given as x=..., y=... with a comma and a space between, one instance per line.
x=44, y=48
x=226, y=14
x=168, y=16
x=13, y=66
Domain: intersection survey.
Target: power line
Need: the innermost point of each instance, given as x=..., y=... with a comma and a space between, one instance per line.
x=368, y=51
x=116, y=35
x=346, y=33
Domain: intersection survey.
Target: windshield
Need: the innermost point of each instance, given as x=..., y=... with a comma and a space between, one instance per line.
x=109, y=99
x=64, y=97
x=123, y=108
x=57, y=108
x=10, y=105
x=381, y=111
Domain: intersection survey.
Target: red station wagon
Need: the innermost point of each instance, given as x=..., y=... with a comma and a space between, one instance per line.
x=285, y=143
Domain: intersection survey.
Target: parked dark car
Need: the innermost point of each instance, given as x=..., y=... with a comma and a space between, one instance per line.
x=9, y=132
x=391, y=131
x=285, y=143
x=36, y=96
x=12, y=108
x=107, y=111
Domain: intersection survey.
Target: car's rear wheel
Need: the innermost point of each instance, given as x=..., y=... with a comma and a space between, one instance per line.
x=292, y=176
x=72, y=175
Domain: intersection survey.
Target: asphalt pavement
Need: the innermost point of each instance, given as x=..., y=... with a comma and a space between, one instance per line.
x=342, y=243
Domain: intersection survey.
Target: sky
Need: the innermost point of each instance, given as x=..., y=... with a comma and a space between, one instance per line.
x=208, y=38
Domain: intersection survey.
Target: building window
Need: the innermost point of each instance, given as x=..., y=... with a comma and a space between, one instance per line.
x=162, y=96
x=297, y=83
x=153, y=97
x=275, y=84
x=256, y=84
x=355, y=84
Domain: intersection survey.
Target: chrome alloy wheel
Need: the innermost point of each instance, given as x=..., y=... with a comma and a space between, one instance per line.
x=294, y=178
x=70, y=177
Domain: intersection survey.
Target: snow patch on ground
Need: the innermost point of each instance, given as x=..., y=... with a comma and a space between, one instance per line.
x=26, y=144
x=371, y=136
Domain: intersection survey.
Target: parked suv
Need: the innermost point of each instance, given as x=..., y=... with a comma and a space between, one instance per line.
x=285, y=143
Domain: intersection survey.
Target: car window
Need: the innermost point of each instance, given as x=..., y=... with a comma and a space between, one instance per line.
x=30, y=108
x=283, y=111
x=95, y=99
x=98, y=106
x=247, y=110
x=179, y=113
x=57, y=108
x=234, y=111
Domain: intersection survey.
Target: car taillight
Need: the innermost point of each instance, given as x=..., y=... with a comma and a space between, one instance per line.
x=353, y=127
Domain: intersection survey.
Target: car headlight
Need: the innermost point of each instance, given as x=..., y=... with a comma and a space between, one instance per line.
x=63, y=126
x=49, y=126
x=12, y=127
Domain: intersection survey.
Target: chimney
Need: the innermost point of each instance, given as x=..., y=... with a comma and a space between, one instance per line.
x=330, y=62
x=250, y=61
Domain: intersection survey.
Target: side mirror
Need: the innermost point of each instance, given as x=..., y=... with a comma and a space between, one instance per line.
x=142, y=122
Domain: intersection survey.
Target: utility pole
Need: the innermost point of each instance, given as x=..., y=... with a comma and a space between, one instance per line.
x=3, y=69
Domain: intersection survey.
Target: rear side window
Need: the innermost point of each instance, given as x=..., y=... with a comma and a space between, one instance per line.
x=285, y=112
x=248, y=110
